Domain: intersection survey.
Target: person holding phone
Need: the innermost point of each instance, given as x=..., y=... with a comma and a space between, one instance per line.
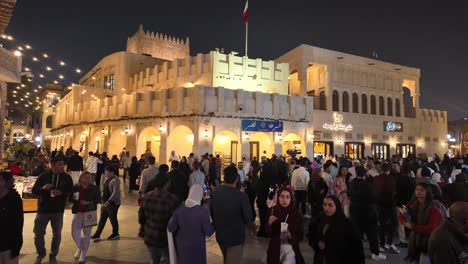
x=52, y=189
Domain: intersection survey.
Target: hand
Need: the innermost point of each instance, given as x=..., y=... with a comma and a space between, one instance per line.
x=272, y=219
x=47, y=186
x=321, y=245
x=408, y=225
x=56, y=192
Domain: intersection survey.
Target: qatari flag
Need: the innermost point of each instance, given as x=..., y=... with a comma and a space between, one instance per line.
x=245, y=15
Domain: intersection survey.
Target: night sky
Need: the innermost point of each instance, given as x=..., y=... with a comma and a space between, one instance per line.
x=432, y=36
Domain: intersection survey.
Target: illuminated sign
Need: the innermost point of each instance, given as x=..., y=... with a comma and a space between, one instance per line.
x=338, y=124
x=393, y=126
x=262, y=125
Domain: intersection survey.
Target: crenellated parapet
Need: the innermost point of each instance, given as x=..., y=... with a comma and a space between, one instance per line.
x=433, y=116
x=158, y=45
x=196, y=101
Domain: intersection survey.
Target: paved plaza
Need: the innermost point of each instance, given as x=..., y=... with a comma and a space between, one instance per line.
x=130, y=249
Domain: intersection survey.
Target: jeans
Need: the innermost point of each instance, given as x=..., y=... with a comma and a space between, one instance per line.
x=388, y=224
x=110, y=212
x=82, y=242
x=232, y=255
x=301, y=200
x=158, y=255
x=40, y=225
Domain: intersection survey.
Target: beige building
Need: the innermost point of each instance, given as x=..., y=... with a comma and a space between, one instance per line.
x=156, y=97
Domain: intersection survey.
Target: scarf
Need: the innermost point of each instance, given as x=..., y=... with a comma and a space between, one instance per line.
x=195, y=196
x=282, y=212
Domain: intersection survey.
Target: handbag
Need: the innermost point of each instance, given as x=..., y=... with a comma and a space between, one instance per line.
x=90, y=218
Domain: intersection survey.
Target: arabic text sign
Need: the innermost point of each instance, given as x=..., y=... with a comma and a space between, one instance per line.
x=393, y=126
x=262, y=125
x=337, y=125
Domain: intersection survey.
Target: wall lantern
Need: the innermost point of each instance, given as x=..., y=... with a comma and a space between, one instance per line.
x=247, y=136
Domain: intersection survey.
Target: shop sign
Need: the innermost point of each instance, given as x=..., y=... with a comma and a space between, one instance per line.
x=393, y=126
x=262, y=125
x=338, y=124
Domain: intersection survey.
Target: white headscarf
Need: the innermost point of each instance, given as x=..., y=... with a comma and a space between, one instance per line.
x=195, y=196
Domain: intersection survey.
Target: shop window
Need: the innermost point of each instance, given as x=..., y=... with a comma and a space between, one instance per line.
x=373, y=108
x=436, y=139
x=354, y=150
x=364, y=104
x=105, y=82
x=389, y=107
x=335, y=101
x=397, y=108
x=380, y=151
x=355, y=103
x=381, y=105
x=427, y=139
x=345, y=102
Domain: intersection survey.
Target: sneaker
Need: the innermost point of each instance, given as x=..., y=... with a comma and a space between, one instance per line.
x=393, y=249
x=96, y=238
x=114, y=237
x=378, y=257
x=77, y=254
x=82, y=259
x=402, y=245
x=382, y=249
x=39, y=259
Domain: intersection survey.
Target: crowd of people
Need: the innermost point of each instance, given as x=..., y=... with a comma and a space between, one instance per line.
x=337, y=204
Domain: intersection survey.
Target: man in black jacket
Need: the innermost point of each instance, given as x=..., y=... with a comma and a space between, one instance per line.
x=52, y=189
x=449, y=243
x=363, y=210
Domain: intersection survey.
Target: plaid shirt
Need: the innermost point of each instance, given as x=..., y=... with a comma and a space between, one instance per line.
x=155, y=212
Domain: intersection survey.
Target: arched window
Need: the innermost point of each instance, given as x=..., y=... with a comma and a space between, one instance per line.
x=364, y=104
x=381, y=105
x=373, y=107
x=389, y=107
x=397, y=107
x=49, y=122
x=355, y=103
x=345, y=102
x=322, y=101
x=335, y=101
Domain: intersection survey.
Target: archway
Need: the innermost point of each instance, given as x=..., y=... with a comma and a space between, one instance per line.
x=97, y=142
x=180, y=140
x=261, y=142
x=292, y=141
x=117, y=142
x=149, y=139
x=226, y=145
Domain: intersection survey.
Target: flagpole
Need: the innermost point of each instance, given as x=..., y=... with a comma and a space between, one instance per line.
x=246, y=38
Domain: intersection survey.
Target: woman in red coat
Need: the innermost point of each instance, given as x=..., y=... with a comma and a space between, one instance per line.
x=286, y=229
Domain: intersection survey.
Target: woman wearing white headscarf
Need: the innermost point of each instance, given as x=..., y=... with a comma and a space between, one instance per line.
x=190, y=224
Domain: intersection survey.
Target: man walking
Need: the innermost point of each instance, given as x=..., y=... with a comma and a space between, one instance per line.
x=126, y=161
x=110, y=205
x=91, y=166
x=157, y=207
x=230, y=212
x=52, y=189
x=147, y=175
x=299, y=180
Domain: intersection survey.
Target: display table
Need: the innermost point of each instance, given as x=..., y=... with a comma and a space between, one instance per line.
x=23, y=186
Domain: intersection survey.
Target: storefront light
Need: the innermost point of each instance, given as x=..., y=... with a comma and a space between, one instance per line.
x=246, y=136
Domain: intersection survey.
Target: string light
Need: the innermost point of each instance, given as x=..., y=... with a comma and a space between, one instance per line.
x=78, y=70
x=62, y=63
x=41, y=75
x=61, y=76
x=48, y=68
x=35, y=59
x=27, y=47
x=45, y=55
x=17, y=53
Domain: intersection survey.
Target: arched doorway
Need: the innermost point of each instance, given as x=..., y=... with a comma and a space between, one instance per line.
x=226, y=145
x=117, y=142
x=292, y=141
x=261, y=144
x=149, y=139
x=97, y=142
x=180, y=140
